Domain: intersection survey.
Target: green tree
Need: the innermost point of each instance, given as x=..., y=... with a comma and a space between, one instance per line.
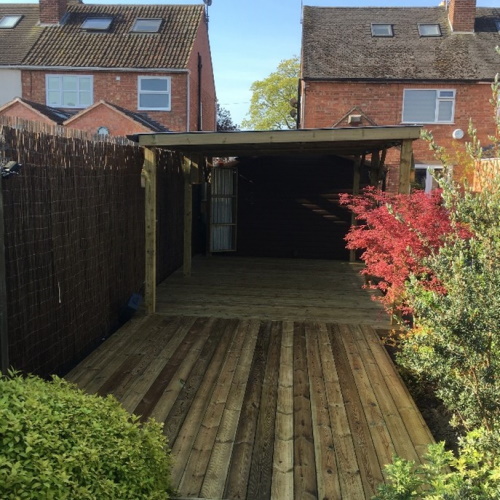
x=270, y=103
x=224, y=120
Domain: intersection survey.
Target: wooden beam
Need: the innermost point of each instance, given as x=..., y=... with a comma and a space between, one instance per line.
x=188, y=215
x=149, y=178
x=190, y=140
x=355, y=190
x=405, y=166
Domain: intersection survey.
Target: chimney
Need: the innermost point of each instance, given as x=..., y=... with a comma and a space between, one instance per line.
x=462, y=15
x=52, y=11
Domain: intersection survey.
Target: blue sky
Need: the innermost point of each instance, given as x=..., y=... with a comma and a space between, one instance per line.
x=250, y=37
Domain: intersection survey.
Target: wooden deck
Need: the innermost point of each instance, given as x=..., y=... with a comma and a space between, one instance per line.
x=275, y=289
x=289, y=407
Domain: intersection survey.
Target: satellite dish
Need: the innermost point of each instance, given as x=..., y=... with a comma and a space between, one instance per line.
x=208, y=3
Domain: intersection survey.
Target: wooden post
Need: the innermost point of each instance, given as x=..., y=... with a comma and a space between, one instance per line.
x=188, y=216
x=405, y=166
x=375, y=168
x=355, y=190
x=149, y=176
x=4, y=338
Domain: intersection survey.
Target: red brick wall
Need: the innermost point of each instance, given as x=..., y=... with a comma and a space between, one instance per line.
x=208, y=98
x=462, y=14
x=119, y=88
x=18, y=110
x=103, y=116
x=52, y=11
x=325, y=103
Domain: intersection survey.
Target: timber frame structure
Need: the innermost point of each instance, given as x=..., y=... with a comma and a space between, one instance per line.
x=355, y=143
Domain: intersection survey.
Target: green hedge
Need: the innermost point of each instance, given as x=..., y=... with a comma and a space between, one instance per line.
x=56, y=442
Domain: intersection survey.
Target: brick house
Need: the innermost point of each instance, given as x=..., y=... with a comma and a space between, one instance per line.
x=395, y=66
x=100, y=118
x=149, y=59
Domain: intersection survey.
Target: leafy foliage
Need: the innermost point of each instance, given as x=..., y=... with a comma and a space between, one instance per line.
x=395, y=233
x=224, y=120
x=457, y=340
x=270, y=103
x=474, y=475
x=60, y=443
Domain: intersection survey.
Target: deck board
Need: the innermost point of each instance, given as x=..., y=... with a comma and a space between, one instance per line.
x=282, y=406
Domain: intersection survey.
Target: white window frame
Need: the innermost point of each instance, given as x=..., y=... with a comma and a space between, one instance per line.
x=155, y=25
x=423, y=26
x=429, y=179
x=60, y=103
x=10, y=21
x=389, y=33
x=438, y=99
x=167, y=92
x=97, y=23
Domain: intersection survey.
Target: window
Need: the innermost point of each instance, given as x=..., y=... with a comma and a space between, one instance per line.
x=103, y=131
x=154, y=93
x=69, y=91
x=498, y=25
x=97, y=23
x=9, y=21
x=147, y=25
x=424, y=177
x=428, y=106
x=429, y=29
x=382, y=30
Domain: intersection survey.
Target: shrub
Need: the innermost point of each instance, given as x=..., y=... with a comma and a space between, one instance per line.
x=456, y=342
x=56, y=442
x=474, y=475
x=395, y=233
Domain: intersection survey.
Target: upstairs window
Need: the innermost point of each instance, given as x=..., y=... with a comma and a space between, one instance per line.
x=8, y=22
x=382, y=30
x=97, y=23
x=428, y=106
x=147, y=25
x=429, y=30
x=69, y=91
x=154, y=93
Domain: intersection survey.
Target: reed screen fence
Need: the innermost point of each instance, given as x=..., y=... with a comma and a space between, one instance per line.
x=74, y=240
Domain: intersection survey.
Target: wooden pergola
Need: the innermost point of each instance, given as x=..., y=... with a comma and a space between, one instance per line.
x=356, y=143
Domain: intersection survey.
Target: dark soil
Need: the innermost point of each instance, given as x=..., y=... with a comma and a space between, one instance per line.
x=431, y=407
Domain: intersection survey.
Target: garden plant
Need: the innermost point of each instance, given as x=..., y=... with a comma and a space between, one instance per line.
x=56, y=442
x=437, y=257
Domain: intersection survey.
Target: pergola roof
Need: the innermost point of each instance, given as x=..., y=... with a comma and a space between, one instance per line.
x=335, y=141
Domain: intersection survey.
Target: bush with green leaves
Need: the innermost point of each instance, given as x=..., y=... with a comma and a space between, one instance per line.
x=474, y=475
x=56, y=442
x=456, y=338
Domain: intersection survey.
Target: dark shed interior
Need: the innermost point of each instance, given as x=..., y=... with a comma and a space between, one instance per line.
x=288, y=206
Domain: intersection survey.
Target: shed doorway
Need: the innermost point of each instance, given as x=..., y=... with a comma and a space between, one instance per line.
x=288, y=207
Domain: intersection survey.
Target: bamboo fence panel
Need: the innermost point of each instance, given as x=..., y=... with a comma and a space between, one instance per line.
x=74, y=223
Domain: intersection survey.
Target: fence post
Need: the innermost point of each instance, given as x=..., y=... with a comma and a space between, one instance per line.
x=149, y=175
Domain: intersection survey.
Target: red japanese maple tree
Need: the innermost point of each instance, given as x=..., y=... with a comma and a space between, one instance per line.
x=396, y=232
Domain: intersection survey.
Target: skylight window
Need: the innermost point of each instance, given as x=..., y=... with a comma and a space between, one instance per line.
x=382, y=30
x=429, y=29
x=147, y=25
x=97, y=23
x=9, y=21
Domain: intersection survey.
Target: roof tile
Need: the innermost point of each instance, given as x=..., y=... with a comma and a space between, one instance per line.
x=119, y=47
x=337, y=44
